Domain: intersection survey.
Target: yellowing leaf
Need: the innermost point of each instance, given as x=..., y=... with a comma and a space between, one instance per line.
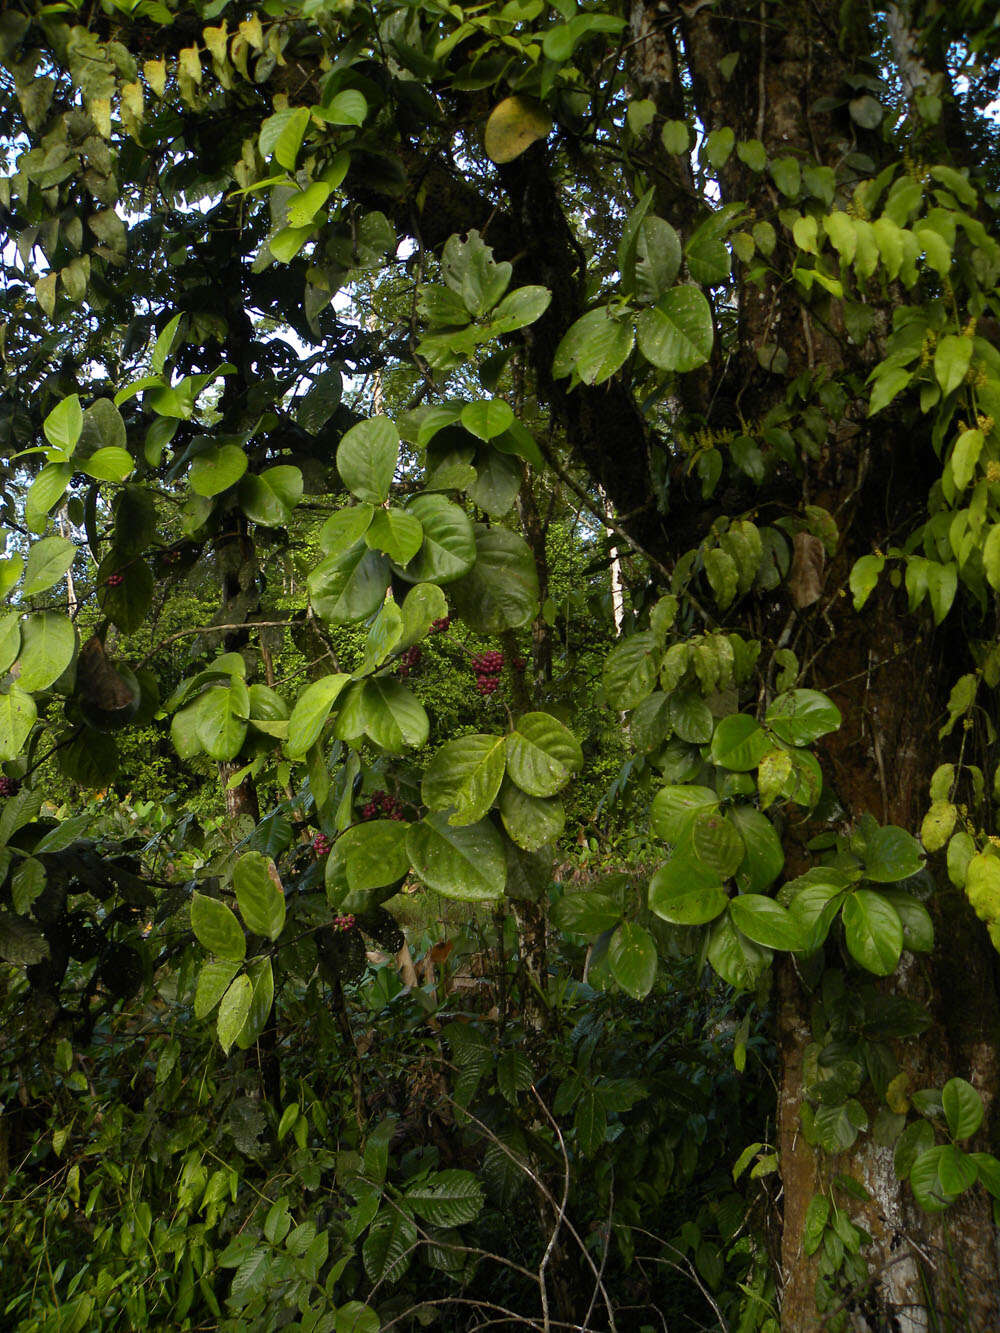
x=189, y=64
x=514, y=125
x=100, y=114
x=215, y=40
x=253, y=33
x=155, y=74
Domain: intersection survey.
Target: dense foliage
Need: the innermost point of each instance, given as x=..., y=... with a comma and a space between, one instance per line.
x=502, y=542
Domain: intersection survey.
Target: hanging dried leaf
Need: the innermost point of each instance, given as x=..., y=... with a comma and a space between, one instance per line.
x=805, y=578
x=514, y=125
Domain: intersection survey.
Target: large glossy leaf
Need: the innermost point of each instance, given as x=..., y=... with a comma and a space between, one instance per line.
x=48, y=644
x=391, y=715
x=766, y=922
x=873, y=931
x=466, y=863
x=587, y=912
x=270, y=496
x=632, y=959
x=216, y=928
x=464, y=776
x=449, y=546
x=739, y=743
x=734, y=957
x=799, y=717
x=422, y=606
x=219, y=717
x=397, y=533
x=542, y=754
x=374, y=854
x=311, y=710
x=367, y=458
x=48, y=561
x=674, y=808
x=349, y=586
x=448, y=1198
x=261, y=1001
x=686, y=893
x=217, y=469
x=765, y=857
x=531, y=821
x=500, y=592
x=630, y=670
x=677, y=333
x=234, y=1009
x=594, y=347
x=259, y=895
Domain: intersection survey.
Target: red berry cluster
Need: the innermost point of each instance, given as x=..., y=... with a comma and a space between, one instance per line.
x=321, y=844
x=440, y=626
x=408, y=660
x=342, y=922
x=115, y=580
x=171, y=557
x=519, y=664
x=382, y=805
x=487, y=667
x=8, y=787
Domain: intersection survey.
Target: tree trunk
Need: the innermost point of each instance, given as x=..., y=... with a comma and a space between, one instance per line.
x=889, y=677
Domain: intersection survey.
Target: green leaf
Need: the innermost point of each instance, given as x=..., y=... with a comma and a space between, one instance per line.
x=349, y=586
x=686, y=893
x=391, y=715
x=449, y=1198
x=593, y=348
x=715, y=843
x=281, y=136
x=422, y=605
x=26, y=884
x=389, y=1245
x=48, y=646
x=262, y=978
x=765, y=858
x=942, y=584
x=449, y=546
x=926, y=1184
x=367, y=457
x=589, y=912
x=873, y=931
x=891, y=854
x=766, y=922
x=108, y=464
x=464, y=776
x=270, y=496
x=64, y=424
x=216, y=928
x=219, y=718
x=817, y=1216
x=312, y=708
x=164, y=345
x=258, y=895
x=630, y=670
x=734, y=957
x=233, y=1011
x=48, y=561
x=316, y=407
x=466, y=863
x=213, y=982
x=691, y=717
x=632, y=959
x=963, y=1108
x=723, y=576
x=951, y=361
x=397, y=533
x=675, y=137
x=677, y=333
x=542, y=754
x=44, y=493
x=657, y=259
x=674, y=808
x=374, y=854
x=531, y=821
x=488, y=418
x=500, y=592
x=217, y=469
x=739, y=743
x=799, y=717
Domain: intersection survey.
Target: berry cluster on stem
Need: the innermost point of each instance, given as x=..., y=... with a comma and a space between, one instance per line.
x=487, y=667
x=321, y=844
x=440, y=626
x=8, y=787
x=342, y=922
x=382, y=805
x=408, y=660
x=115, y=580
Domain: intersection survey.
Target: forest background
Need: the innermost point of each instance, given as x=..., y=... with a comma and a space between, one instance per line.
x=498, y=726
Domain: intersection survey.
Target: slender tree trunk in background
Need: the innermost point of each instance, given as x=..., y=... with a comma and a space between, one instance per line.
x=886, y=673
